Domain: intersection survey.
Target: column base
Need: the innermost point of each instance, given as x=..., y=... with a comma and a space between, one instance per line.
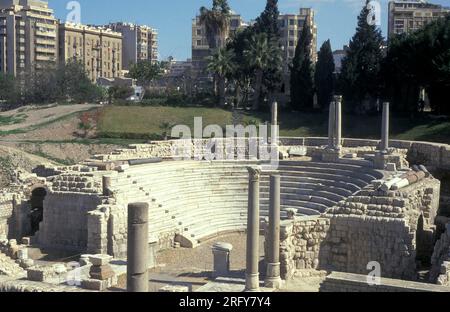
x=331, y=154
x=273, y=279
x=252, y=283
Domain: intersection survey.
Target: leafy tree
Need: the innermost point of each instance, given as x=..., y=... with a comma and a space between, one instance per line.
x=405, y=76
x=324, y=75
x=221, y=64
x=217, y=23
x=243, y=73
x=9, y=92
x=40, y=86
x=261, y=53
x=302, y=73
x=74, y=85
x=267, y=22
x=146, y=71
x=359, y=77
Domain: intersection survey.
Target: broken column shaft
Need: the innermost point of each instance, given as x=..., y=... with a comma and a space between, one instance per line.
x=275, y=128
x=384, y=148
x=338, y=122
x=137, y=249
x=331, y=124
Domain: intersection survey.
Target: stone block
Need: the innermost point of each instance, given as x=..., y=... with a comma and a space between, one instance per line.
x=102, y=273
x=93, y=284
x=174, y=289
x=99, y=260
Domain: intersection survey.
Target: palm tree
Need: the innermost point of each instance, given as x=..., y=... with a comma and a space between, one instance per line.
x=260, y=54
x=221, y=64
x=216, y=22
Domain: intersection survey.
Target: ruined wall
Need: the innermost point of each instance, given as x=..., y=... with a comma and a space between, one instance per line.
x=6, y=214
x=440, y=261
x=370, y=226
x=301, y=241
x=433, y=155
x=65, y=220
x=347, y=282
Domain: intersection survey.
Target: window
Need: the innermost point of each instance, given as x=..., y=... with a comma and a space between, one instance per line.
x=291, y=43
x=291, y=33
x=199, y=42
x=199, y=32
x=291, y=22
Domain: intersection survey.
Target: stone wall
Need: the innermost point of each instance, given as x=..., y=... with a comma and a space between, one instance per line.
x=433, y=155
x=440, y=261
x=65, y=221
x=6, y=214
x=369, y=226
x=347, y=282
x=301, y=241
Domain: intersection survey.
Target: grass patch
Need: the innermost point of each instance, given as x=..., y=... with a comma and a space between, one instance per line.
x=134, y=123
x=12, y=120
x=145, y=122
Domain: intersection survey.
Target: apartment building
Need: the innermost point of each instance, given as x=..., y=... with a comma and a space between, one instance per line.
x=200, y=46
x=406, y=16
x=98, y=48
x=28, y=36
x=140, y=43
x=291, y=26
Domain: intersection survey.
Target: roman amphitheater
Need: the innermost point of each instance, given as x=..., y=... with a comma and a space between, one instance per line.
x=347, y=207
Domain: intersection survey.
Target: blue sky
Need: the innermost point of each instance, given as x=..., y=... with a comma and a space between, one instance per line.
x=336, y=19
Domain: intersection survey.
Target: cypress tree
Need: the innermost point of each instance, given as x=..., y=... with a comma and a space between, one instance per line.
x=359, y=79
x=302, y=77
x=324, y=75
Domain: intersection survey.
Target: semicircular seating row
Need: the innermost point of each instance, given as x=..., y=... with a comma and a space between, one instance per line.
x=201, y=199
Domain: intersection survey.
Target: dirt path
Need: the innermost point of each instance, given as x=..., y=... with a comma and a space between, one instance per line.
x=31, y=116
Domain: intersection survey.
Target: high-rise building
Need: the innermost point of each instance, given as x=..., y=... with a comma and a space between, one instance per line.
x=200, y=46
x=290, y=25
x=406, y=16
x=28, y=36
x=98, y=48
x=140, y=43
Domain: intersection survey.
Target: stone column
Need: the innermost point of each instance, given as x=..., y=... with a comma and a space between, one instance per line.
x=107, y=181
x=274, y=128
x=384, y=148
x=252, y=272
x=338, y=122
x=137, y=249
x=331, y=124
x=273, y=279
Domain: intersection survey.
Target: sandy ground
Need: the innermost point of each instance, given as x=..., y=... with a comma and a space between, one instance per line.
x=193, y=267
x=36, y=115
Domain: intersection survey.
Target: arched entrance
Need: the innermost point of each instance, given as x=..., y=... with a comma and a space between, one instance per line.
x=37, y=208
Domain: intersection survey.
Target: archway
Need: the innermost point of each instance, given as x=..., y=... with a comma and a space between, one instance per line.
x=37, y=208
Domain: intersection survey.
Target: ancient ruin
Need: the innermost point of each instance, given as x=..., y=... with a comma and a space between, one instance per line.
x=335, y=211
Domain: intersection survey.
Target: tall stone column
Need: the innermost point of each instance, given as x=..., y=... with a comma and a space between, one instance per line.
x=252, y=272
x=137, y=249
x=338, y=133
x=273, y=279
x=331, y=125
x=275, y=129
x=384, y=148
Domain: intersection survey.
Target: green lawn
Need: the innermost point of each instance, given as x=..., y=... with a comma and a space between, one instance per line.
x=147, y=120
